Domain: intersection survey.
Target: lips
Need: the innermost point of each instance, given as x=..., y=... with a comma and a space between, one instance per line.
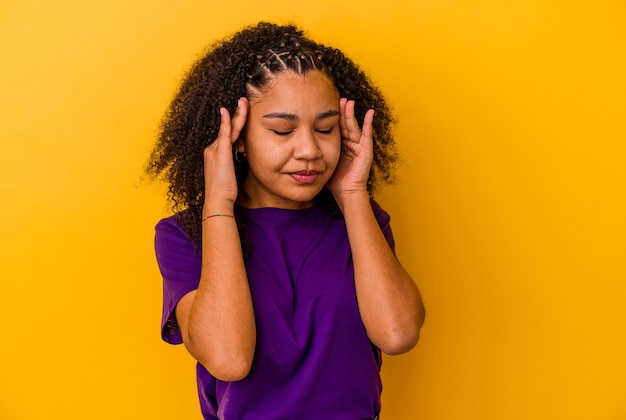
x=305, y=177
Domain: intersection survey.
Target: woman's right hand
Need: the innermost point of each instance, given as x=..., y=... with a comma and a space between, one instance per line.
x=220, y=185
x=217, y=319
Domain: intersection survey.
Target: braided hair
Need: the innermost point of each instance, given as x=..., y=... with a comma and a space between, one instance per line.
x=242, y=66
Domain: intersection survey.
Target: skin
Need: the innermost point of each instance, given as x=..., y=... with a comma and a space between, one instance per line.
x=292, y=141
x=299, y=136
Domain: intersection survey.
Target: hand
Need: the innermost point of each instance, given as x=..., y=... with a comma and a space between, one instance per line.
x=220, y=184
x=353, y=169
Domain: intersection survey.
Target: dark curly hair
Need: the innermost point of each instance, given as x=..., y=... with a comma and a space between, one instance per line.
x=240, y=66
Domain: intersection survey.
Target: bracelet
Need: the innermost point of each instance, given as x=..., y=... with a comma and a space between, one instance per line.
x=217, y=215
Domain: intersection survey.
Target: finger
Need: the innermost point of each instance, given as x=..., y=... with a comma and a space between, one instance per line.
x=366, y=131
x=239, y=119
x=353, y=132
x=342, y=117
x=223, y=135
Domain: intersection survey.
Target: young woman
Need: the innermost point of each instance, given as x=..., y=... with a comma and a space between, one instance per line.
x=278, y=267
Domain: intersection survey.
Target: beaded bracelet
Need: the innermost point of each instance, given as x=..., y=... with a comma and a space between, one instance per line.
x=216, y=215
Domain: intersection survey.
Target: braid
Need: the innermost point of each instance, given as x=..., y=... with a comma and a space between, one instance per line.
x=288, y=55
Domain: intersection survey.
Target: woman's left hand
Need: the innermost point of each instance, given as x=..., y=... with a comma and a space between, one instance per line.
x=353, y=169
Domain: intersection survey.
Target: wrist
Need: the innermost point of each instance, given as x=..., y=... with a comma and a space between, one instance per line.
x=351, y=199
x=213, y=206
x=211, y=216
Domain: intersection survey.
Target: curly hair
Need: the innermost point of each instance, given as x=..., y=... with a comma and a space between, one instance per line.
x=241, y=66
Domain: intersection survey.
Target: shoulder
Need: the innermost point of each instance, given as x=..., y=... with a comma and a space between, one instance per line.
x=382, y=216
x=171, y=241
x=169, y=225
x=169, y=228
x=384, y=221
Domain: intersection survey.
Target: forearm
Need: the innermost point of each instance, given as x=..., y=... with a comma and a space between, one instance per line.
x=221, y=324
x=389, y=301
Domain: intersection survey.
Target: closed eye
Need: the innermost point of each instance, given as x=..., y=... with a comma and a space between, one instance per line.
x=282, y=133
x=330, y=130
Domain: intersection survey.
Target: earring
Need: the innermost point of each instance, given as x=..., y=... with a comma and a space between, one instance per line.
x=240, y=157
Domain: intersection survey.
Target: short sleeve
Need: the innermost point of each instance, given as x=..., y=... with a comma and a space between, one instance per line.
x=179, y=263
x=384, y=220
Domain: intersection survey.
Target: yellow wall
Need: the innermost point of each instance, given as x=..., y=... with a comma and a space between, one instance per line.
x=510, y=214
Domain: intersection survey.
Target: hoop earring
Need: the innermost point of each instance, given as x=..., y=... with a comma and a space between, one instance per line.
x=240, y=157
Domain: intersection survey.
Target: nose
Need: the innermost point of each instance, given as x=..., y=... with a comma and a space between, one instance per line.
x=306, y=146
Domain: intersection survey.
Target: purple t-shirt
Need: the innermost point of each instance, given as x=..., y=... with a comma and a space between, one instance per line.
x=313, y=359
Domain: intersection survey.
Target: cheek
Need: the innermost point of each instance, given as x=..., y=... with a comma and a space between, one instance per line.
x=266, y=155
x=255, y=145
x=333, y=152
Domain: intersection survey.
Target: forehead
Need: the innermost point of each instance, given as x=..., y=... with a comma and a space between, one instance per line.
x=290, y=89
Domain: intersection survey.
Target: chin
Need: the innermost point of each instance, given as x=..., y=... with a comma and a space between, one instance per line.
x=303, y=200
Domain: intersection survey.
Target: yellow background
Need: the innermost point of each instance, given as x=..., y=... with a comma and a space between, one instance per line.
x=510, y=212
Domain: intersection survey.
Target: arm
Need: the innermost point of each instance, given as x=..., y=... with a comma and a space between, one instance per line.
x=217, y=320
x=389, y=302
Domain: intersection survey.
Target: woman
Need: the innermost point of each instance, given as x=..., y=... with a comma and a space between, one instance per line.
x=279, y=271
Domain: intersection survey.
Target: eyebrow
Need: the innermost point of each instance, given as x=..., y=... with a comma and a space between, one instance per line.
x=293, y=117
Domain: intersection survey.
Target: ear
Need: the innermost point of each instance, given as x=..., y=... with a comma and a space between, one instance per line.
x=240, y=145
